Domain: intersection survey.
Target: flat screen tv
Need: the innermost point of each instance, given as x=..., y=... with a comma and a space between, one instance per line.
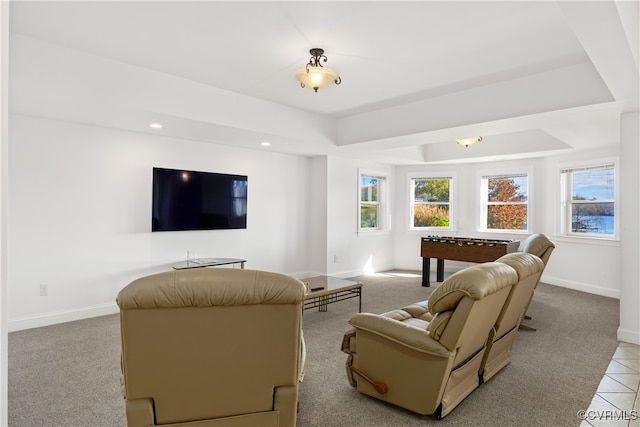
x=190, y=200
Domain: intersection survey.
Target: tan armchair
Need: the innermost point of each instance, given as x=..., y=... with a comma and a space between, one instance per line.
x=428, y=361
x=220, y=347
x=498, y=354
x=540, y=246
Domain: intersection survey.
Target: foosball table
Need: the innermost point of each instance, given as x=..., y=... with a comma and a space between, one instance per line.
x=460, y=249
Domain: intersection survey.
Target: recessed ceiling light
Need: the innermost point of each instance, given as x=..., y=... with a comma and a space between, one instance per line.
x=265, y=143
x=155, y=126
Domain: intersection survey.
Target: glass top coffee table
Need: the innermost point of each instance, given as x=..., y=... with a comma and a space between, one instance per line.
x=325, y=290
x=207, y=262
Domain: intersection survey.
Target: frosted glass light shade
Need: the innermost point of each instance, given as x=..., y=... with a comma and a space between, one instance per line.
x=469, y=141
x=316, y=77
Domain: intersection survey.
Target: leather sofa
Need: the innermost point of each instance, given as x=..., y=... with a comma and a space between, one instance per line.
x=211, y=347
x=427, y=357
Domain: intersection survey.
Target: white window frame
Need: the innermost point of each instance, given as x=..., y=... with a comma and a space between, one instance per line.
x=484, y=203
x=451, y=176
x=382, y=202
x=566, y=198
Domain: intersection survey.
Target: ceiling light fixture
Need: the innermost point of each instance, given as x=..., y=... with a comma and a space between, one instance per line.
x=314, y=75
x=155, y=125
x=469, y=140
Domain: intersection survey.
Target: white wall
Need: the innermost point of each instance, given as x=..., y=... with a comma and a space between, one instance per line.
x=588, y=265
x=317, y=205
x=629, y=329
x=356, y=253
x=80, y=206
x=80, y=201
x=4, y=142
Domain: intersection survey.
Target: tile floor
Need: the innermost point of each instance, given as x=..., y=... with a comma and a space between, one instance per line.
x=616, y=402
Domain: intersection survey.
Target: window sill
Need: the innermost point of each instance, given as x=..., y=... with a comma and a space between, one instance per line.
x=513, y=232
x=450, y=229
x=365, y=232
x=587, y=240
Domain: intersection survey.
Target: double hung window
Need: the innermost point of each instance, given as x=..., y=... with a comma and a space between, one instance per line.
x=589, y=200
x=430, y=202
x=505, y=202
x=372, y=204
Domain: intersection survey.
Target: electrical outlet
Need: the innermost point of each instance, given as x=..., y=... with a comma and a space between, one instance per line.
x=44, y=290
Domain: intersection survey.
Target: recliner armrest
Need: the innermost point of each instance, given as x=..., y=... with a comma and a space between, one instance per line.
x=404, y=334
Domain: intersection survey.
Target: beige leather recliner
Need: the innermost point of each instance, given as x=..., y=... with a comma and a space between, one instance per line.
x=428, y=361
x=498, y=354
x=212, y=347
x=539, y=245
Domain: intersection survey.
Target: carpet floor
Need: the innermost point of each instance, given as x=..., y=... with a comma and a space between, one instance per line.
x=67, y=375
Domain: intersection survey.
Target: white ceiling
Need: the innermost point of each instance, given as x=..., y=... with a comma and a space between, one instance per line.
x=530, y=77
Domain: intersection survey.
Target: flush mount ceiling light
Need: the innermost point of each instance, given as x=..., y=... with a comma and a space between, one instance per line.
x=314, y=75
x=469, y=140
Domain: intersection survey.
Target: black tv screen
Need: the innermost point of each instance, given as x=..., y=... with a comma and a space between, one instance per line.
x=190, y=200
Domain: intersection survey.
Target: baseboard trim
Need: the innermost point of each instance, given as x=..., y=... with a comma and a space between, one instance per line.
x=452, y=267
x=583, y=287
x=628, y=335
x=47, y=319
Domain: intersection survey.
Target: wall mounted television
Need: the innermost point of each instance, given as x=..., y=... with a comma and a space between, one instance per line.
x=190, y=200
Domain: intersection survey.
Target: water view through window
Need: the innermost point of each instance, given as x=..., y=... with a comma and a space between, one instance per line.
x=593, y=201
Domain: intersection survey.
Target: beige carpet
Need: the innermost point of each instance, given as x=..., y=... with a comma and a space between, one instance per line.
x=68, y=375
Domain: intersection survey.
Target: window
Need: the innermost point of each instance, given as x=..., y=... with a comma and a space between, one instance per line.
x=505, y=200
x=372, y=201
x=589, y=202
x=430, y=202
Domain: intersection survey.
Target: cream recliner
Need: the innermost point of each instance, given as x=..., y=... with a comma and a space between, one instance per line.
x=539, y=245
x=498, y=354
x=212, y=347
x=428, y=361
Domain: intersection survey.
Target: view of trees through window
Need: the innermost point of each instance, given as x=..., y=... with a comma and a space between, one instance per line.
x=431, y=202
x=507, y=202
x=588, y=195
x=369, y=202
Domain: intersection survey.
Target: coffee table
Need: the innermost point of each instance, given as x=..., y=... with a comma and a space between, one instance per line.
x=325, y=290
x=207, y=262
